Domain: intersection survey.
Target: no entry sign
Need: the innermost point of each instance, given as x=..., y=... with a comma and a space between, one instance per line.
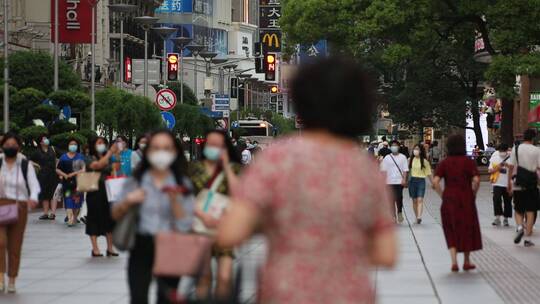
x=166, y=100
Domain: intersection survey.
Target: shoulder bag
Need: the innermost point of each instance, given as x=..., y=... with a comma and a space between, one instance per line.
x=525, y=178
x=400, y=172
x=212, y=202
x=495, y=175
x=125, y=230
x=9, y=209
x=88, y=181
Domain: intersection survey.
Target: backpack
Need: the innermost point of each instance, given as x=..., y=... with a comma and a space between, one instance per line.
x=24, y=166
x=525, y=178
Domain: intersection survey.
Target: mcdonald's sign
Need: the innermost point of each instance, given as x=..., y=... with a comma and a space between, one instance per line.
x=271, y=41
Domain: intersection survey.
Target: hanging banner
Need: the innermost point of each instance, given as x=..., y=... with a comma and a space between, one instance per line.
x=74, y=21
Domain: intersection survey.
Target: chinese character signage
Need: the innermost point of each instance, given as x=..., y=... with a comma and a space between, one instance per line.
x=175, y=6
x=270, y=34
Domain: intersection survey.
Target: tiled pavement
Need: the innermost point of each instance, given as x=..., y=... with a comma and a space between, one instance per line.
x=56, y=267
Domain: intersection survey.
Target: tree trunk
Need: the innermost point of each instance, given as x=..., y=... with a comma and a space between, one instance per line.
x=507, y=123
x=476, y=125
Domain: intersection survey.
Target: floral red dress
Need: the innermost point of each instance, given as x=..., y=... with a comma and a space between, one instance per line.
x=458, y=211
x=321, y=206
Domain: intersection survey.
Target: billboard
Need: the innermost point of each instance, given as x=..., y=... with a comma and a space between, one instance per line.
x=74, y=21
x=175, y=6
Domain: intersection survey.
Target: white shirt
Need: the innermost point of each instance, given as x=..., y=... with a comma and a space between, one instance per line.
x=12, y=184
x=496, y=159
x=246, y=157
x=393, y=175
x=529, y=158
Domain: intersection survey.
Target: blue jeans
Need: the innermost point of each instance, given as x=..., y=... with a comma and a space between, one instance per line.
x=417, y=187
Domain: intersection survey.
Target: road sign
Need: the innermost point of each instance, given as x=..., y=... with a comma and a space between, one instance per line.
x=166, y=100
x=221, y=99
x=168, y=119
x=154, y=71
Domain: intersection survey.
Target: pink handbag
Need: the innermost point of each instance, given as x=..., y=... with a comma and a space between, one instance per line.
x=9, y=212
x=180, y=254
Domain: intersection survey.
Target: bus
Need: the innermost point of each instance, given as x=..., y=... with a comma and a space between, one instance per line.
x=256, y=130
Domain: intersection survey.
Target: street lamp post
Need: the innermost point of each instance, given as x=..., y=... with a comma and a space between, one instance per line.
x=195, y=49
x=93, y=73
x=164, y=32
x=219, y=61
x=181, y=43
x=207, y=56
x=146, y=22
x=56, y=65
x=122, y=9
x=6, y=68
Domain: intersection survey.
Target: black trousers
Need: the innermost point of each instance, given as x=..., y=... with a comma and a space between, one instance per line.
x=502, y=198
x=141, y=261
x=398, y=196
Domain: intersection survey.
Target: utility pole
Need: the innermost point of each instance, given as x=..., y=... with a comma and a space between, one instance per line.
x=6, y=67
x=55, y=88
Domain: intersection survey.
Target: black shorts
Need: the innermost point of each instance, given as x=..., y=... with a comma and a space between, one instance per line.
x=526, y=200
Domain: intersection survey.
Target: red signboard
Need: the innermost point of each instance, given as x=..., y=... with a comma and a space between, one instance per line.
x=74, y=21
x=128, y=68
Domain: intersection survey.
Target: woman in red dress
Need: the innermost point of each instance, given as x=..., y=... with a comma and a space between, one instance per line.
x=458, y=211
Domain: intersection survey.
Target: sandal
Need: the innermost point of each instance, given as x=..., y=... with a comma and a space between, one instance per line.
x=455, y=268
x=468, y=266
x=44, y=217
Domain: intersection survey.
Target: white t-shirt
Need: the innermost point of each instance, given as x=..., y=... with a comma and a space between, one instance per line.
x=393, y=174
x=246, y=157
x=529, y=158
x=496, y=159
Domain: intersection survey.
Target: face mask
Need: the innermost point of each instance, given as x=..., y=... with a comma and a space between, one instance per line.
x=10, y=152
x=394, y=149
x=416, y=152
x=161, y=159
x=142, y=146
x=503, y=154
x=212, y=153
x=46, y=141
x=120, y=145
x=101, y=148
x=72, y=148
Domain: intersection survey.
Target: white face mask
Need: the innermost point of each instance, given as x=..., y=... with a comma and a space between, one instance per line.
x=394, y=149
x=120, y=145
x=416, y=152
x=503, y=155
x=142, y=146
x=161, y=159
x=101, y=148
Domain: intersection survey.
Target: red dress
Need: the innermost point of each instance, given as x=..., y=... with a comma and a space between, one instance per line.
x=458, y=211
x=321, y=207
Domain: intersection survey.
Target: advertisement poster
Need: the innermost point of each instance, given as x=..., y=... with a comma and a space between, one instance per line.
x=74, y=21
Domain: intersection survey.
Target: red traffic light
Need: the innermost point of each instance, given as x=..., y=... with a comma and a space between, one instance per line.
x=172, y=66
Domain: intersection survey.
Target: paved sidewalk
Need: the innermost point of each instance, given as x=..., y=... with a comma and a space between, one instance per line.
x=506, y=273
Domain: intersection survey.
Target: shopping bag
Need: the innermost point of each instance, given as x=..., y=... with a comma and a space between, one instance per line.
x=88, y=181
x=180, y=254
x=114, y=186
x=211, y=202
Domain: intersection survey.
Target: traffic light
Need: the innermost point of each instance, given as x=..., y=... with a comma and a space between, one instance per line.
x=172, y=66
x=270, y=67
x=274, y=89
x=259, y=57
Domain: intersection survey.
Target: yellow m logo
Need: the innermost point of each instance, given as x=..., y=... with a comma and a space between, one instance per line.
x=271, y=39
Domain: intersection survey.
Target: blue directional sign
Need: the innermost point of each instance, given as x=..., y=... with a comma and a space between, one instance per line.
x=65, y=114
x=168, y=119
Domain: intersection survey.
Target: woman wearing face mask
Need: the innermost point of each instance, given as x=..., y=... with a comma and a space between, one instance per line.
x=45, y=157
x=99, y=221
x=420, y=169
x=140, y=145
x=69, y=165
x=18, y=185
x=125, y=158
x=155, y=183
x=219, y=157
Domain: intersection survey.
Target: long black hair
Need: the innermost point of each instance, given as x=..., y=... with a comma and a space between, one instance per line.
x=178, y=167
x=92, y=146
x=423, y=156
x=234, y=156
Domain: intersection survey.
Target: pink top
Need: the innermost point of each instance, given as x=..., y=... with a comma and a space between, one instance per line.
x=321, y=205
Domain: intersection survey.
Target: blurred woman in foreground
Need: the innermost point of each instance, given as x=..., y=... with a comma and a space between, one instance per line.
x=320, y=200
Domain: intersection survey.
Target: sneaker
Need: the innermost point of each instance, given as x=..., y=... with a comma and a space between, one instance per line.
x=496, y=222
x=528, y=243
x=505, y=222
x=519, y=235
x=400, y=217
x=83, y=219
x=419, y=221
x=44, y=217
x=66, y=219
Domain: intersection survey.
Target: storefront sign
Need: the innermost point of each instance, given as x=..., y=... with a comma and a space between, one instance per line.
x=74, y=20
x=175, y=6
x=534, y=110
x=270, y=34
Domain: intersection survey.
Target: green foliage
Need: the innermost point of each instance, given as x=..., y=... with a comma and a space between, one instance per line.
x=35, y=70
x=189, y=96
x=283, y=125
x=88, y=134
x=61, y=126
x=33, y=132
x=44, y=112
x=22, y=104
x=62, y=140
x=191, y=122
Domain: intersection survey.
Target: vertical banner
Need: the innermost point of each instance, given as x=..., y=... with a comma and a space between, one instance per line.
x=74, y=21
x=270, y=30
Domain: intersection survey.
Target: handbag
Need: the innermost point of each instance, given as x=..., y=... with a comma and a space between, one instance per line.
x=9, y=212
x=125, y=230
x=114, y=186
x=180, y=254
x=88, y=181
x=212, y=202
